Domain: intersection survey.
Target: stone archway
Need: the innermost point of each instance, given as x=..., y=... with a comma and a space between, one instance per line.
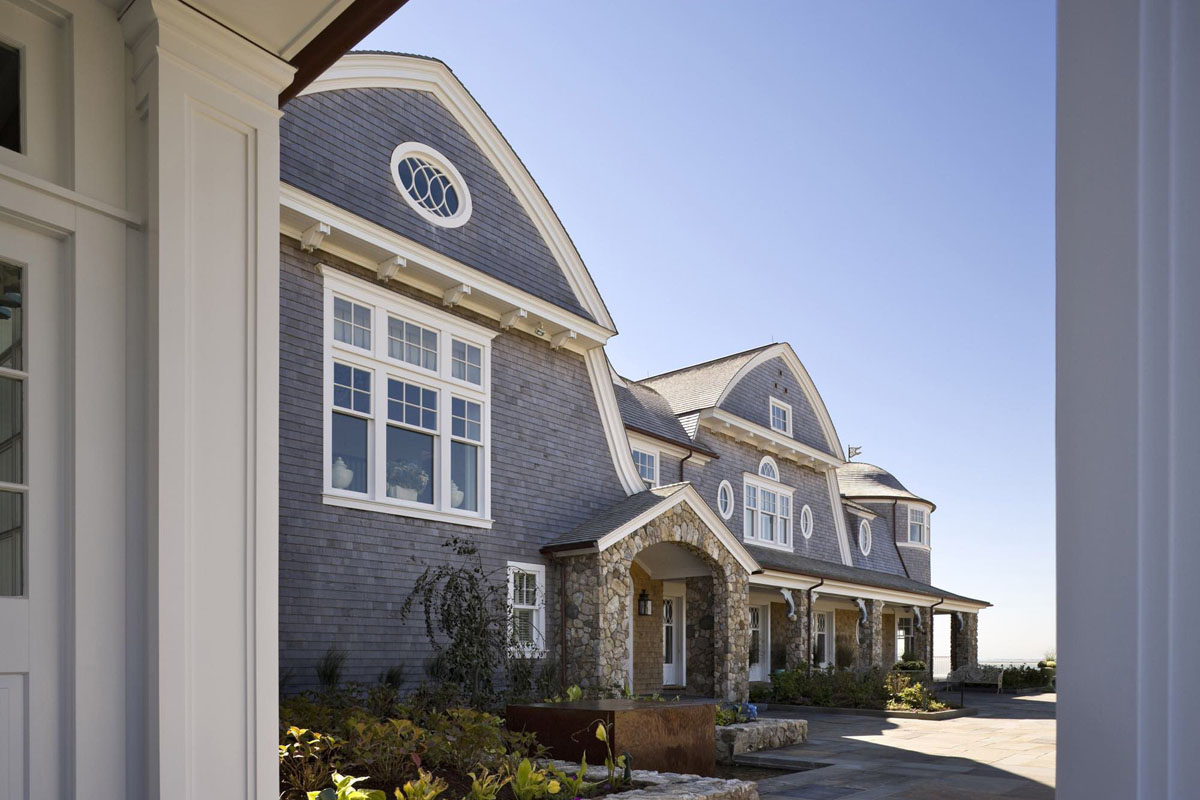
x=600, y=590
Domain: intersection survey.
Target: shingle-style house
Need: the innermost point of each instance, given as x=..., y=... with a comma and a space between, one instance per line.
x=443, y=373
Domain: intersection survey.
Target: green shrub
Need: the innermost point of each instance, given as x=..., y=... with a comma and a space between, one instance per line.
x=343, y=789
x=461, y=739
x=307, y=761
x=389, y=751
x=910, y=665
x=830, y=688
x=904, y=694
x=329, y=669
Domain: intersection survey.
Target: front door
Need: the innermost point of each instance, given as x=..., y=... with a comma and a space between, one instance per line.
x=822, y=639
x=760, y=652
x=673, y=640
x=33, y=547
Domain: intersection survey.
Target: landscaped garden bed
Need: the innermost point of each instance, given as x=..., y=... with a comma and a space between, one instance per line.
x=871, y=691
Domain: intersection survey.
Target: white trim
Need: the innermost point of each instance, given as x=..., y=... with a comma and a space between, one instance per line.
x=428, y=154
x=862, y=513
x=331, y=497
x=913, y=545
x=786, y=408
x=684, y=494
x=539, y=627
x=785, y=351
x=724, y=422
x=370, y=70
x=641, y=441
x=849, y=590
x=764, y=641
x=678, y=593
x=864, y=532
x=366, y=243
x=806, y=512
x=765, y=460
x=780, y=490
x=924, y=540
x=614, y=427
x=732, y=500
x=839, y=517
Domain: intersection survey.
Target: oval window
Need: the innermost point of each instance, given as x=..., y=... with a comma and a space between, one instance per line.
x=431, y=185
x=806, y=522
x=725, y=499
x=864, y=537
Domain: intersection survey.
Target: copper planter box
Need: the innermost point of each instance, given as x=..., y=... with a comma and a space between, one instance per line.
x=677, y=736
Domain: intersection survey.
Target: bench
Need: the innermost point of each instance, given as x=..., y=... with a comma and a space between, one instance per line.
x=975, y=673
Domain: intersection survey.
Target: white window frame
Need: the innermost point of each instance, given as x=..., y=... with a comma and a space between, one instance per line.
x=386, y=304
x=908, y=540
x=768, y=461
x=806, y=529
x=655, y=458
x=726, y=487
x=539, y=608
x=752, y=513
x=900, y=649
x=427, y=153
x=864, y=527
x=786, y=408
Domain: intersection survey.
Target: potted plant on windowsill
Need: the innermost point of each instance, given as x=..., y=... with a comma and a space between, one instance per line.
x=406, y=481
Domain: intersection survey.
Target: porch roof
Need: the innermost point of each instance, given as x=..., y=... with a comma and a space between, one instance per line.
x=627, y=515
x=783, y=561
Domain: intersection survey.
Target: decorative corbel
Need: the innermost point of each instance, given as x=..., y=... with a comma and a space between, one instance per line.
x=454, y=295
x=791, y=602
x=862, y=618
x=390, y=267
x=313, y=236
x=511, y=317
x=918, y=623
x=961, y=619
x=561, y=338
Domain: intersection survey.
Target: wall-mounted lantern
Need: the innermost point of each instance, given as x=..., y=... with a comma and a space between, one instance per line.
x=645, y=609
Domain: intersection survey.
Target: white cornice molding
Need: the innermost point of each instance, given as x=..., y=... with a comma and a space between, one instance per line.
x=849, y=590
x=784, y=350
x=722, y=421
x=839, y=518
x=365, y=243
x=373, y=70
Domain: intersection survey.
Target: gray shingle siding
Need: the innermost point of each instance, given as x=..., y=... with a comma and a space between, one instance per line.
x=337, y=145
x=917, y=561
x=344, y=573
x=750, y=400
x=811, y=488
x=884, y=555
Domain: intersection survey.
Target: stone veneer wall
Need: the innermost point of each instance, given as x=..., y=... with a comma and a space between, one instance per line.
x=845, y=632
x=597, y=648
x=647, y=634
x=870, y=645
x=700, y=654
x=923, y=639
x=890, y=656
x=789, y=640
x=964, y=644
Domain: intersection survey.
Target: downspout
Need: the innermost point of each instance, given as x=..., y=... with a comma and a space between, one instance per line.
x=562, y=621
x=810, y=622
x=685, y=458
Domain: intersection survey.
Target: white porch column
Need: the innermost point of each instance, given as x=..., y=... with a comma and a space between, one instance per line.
x=208, y=100
x=1128, y=397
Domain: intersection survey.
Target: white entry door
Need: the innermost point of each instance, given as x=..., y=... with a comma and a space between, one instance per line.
x=822, y=639
x=760, y=648
x=674, y=673
x=33, y=549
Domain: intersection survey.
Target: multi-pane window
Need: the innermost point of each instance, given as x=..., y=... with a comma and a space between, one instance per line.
x=412, y=344
x=405, y=434
x=12, y=432
x=918, y=525
x=526, y=584
x=821, y=651
x=904, y=640
x=647, y=465
x=10, y=98
x=466, y=362
x=352, y=323
x=767, y=507
x=781, y=417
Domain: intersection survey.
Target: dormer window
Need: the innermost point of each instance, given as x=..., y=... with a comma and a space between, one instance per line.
x=647, y=465
x=918, y=526
x=781, y=417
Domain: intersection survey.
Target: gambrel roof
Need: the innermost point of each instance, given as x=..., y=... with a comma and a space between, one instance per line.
x=646, y=411
x=700, y=386
x=864, y=481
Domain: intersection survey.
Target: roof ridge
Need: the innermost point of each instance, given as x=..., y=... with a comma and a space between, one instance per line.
x=708, y=363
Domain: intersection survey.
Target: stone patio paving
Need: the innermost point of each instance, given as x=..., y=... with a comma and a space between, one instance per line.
x=1008, y=751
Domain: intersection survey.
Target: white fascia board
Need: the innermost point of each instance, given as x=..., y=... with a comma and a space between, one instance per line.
x=785, y=351
x=839, y=517
x=373, y=70
x=619, y=450
x=717, y=418
x=684, y=493
x=862, y=512
x=961, y=605
x=363, y=242
x=783, y=580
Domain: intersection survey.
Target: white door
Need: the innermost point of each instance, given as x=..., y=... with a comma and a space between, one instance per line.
x=760, y=647
x=674, y=667
x=33, y=547
x=823, y=639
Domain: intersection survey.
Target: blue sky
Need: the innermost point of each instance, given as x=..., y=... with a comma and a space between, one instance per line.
x=870, y=181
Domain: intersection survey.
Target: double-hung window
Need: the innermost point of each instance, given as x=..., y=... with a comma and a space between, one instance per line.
x=407, y=406
x=767, y=507
x=781, y=417
x=526, y=591
x=918, y=526
x=647, y=465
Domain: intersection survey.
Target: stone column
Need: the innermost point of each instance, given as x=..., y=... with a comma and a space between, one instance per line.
x=731, y=629
x=922, y=643
x=789, y=637
x=870, y=639
x=700, y=656
x=612, y=631
x=964, y=639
